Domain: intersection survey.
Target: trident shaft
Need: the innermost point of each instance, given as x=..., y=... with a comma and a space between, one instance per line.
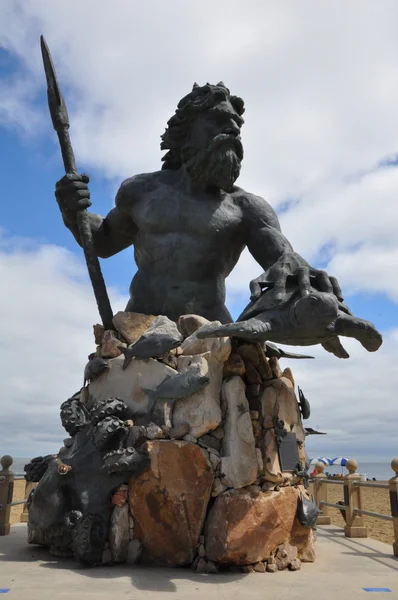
x=60, y=120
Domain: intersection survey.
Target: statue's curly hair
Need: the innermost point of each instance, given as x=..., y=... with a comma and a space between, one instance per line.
x=200, y=99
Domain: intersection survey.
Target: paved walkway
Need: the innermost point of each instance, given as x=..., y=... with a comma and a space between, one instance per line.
x=343, y=568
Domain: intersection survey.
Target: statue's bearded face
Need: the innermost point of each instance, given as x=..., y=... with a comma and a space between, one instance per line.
x=214, y=152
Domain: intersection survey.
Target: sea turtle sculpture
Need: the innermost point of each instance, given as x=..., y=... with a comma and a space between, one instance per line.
x=301, y=320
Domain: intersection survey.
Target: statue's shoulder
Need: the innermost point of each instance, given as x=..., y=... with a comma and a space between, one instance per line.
x=137, y=187
x=251, y=204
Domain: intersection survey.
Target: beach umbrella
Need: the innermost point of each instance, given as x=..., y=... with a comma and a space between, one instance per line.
x=321, y=459
x=340, y=460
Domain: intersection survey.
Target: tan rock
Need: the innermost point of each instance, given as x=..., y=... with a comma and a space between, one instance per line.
x=98, y=333
x=119, y=533
x=188, y=324
x=219, y=347
x=259, y=567
x=239, y=459
x=169, y=501
x=169, y=359
x=279, y=400
x=306, y=552
x=234, y=366
x=295, y=565
x=249, y=353
x=202, y=410
x=128, y=385
x=132, y=325
x=109, y=345
x=303, y=539
x=263, y=367
x=272, y=467
x=245, y=527
x=285, y=555
x=252, y=375
x=275, y=368
x=287, y=373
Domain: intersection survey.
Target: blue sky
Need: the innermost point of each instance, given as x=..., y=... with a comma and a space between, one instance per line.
x=321, y=141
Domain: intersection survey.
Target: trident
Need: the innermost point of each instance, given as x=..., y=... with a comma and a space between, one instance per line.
x=60, y=120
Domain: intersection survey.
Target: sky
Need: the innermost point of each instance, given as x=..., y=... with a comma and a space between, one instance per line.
x=320, y=84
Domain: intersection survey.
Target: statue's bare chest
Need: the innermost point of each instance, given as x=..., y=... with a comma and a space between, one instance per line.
x=167, y=211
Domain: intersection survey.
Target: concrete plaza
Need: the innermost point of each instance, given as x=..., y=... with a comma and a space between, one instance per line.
x=343, y=568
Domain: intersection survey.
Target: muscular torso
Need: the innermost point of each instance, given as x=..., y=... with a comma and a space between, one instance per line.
x=185, y=246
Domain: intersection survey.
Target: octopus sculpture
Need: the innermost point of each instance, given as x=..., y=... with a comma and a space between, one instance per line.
x=69, y=511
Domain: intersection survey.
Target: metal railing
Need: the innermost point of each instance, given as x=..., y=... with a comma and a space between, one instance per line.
x=351, y=507
x=7, y=480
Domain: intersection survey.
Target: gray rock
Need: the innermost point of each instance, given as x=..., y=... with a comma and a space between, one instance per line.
x=201, y=551
x=272, y=568
x=259, y=567
x=211, y=567
x=201, y=566
x=190, y=438
x=247, y=569
x=208, y=441
x=218, y=433
x=128, y=385
x=119, y=533
x=215, y=460
x=179, y=431
x=68, y=442
x=218, y=487
x=201, y=410
x=134, y=551
x=239, y=457
x=214, y=451
x=201, y=539
x=219, y=347
x=106, y=557
x=154, y=432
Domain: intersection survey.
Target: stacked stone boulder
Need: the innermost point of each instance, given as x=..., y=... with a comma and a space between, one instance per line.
x=215, y=494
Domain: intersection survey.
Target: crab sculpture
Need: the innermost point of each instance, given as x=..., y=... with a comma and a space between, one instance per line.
x=70, y=509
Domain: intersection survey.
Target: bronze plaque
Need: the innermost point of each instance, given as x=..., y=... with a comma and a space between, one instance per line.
x=288, y=452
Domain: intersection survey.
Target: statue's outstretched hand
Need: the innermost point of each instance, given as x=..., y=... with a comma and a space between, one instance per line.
x=72, y=193
x=290, y=267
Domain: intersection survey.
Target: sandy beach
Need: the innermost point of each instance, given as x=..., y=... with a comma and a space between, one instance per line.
x=374, y=500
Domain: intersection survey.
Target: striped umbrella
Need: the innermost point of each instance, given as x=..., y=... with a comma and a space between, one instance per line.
x=321, y=459
x=340, y=460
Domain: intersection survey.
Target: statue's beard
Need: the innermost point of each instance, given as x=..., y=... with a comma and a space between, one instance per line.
x=218, y=166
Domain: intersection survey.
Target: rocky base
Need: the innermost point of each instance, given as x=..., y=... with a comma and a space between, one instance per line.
x=193, y=455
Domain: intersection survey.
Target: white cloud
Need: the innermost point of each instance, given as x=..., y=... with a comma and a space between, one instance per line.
x=48, y=310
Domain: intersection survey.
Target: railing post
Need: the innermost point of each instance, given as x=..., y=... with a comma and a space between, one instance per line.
x=6, y=492
x=393, y=484
x=321, y=495
x=355, y=526
x=29, y=486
